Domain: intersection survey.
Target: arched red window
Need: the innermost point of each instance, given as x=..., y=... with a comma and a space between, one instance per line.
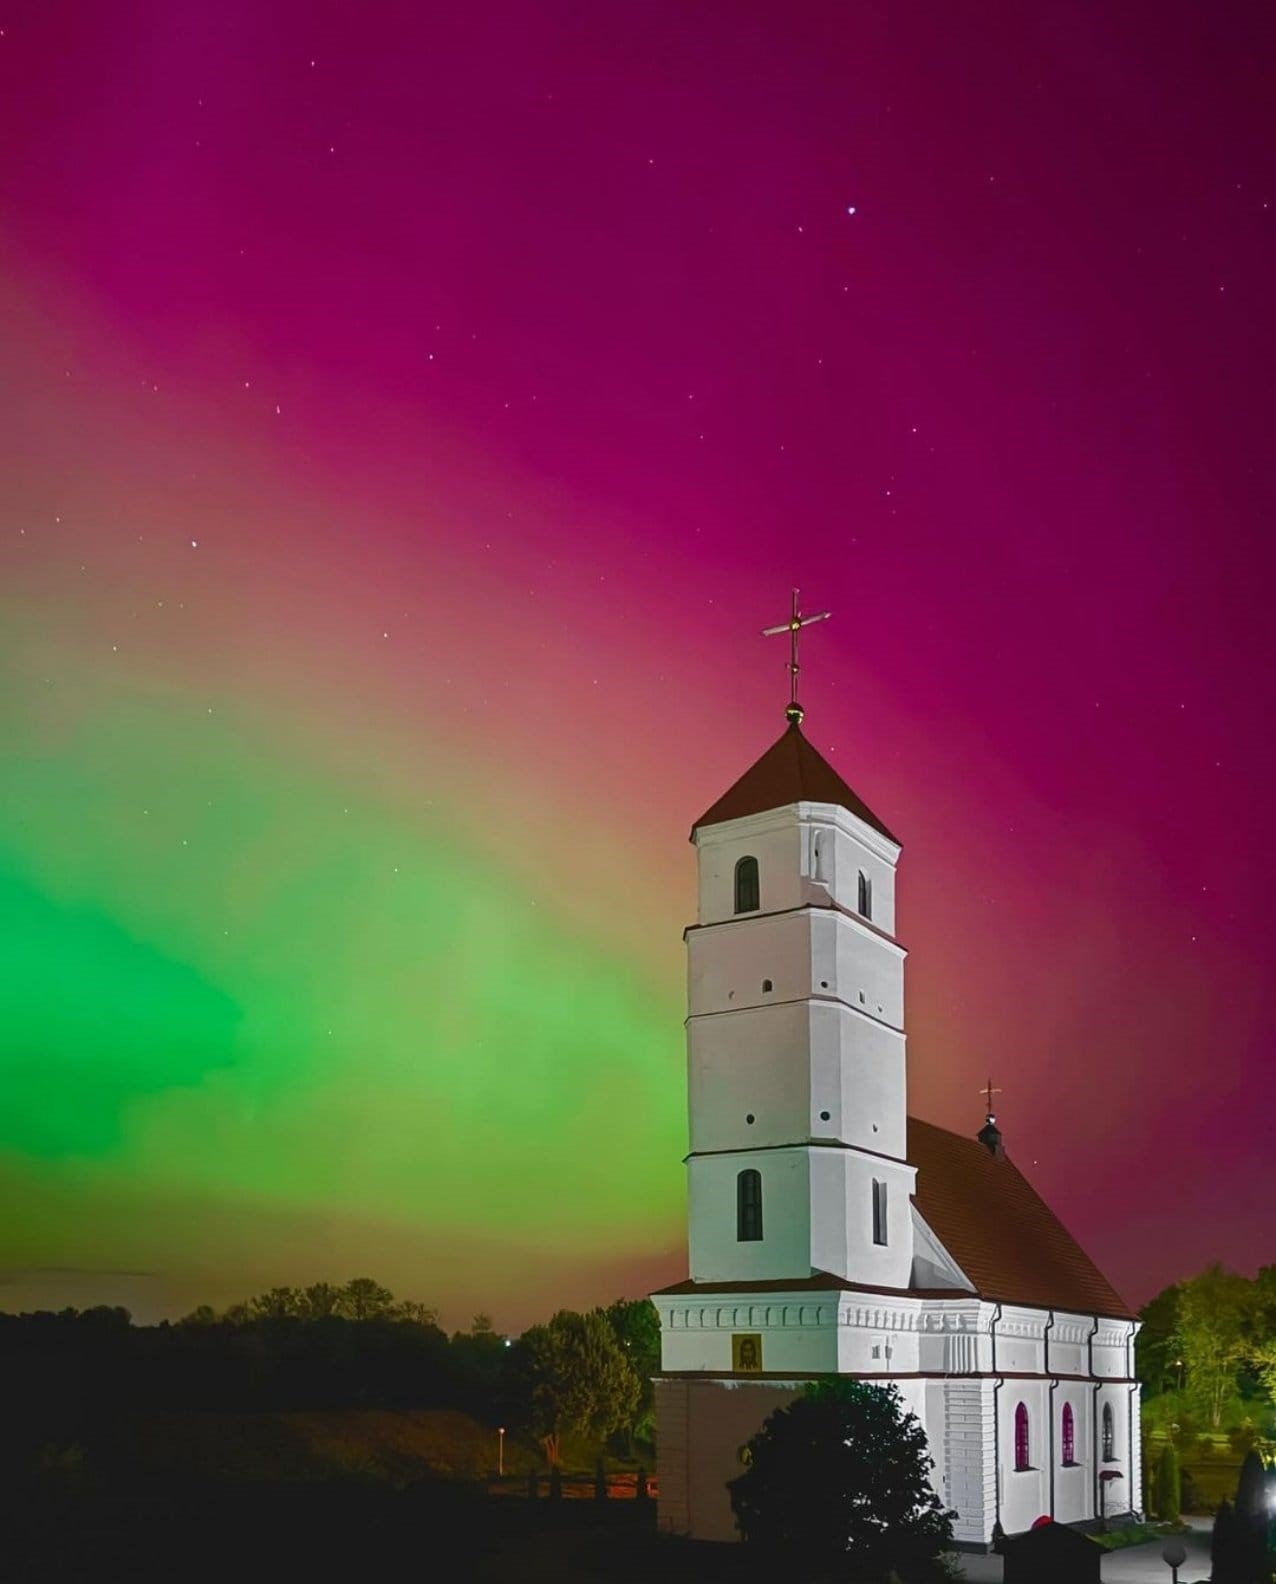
x=1022, y=1447
x=1069, y=1436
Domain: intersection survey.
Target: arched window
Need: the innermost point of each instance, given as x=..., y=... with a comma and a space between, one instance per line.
x=746, y=886
x=1109, y=1435
x=865, y=896
x=879, y=1213
x=748, y=1207
x=1069, y=1437
x=1022, y=1445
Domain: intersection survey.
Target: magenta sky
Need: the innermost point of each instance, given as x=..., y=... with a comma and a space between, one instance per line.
x=557, y=342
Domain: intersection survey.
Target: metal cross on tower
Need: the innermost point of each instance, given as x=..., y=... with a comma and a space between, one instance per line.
x=988, y=1091
x=793, y=714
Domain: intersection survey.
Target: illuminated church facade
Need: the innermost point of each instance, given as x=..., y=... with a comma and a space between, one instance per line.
x=832, y=1233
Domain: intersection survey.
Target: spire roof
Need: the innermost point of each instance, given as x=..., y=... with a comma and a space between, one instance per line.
x=790, y=771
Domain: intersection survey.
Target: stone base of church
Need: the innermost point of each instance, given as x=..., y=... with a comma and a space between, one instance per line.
x=701, y=1428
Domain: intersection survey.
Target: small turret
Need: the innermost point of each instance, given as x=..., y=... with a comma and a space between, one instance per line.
x=990, y=1137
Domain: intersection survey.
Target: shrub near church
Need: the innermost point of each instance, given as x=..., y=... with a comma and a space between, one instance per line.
x=841, y=1479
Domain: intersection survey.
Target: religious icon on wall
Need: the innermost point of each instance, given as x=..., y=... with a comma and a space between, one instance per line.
x=746, y=1352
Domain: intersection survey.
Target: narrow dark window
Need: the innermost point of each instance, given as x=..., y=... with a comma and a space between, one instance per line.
x=879, y=1213
x=1069, y=1437
x=747, y=899
x=1022, y=1444
x=865, y=896
x=748, y=1207
x=767, y=986
x=1109, y=1435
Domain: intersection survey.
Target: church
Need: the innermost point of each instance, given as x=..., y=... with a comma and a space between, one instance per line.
x=832, y=1233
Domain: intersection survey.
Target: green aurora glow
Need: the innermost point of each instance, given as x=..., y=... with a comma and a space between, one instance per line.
x=231, y=982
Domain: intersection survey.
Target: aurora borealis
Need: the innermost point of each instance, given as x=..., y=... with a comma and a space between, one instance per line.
x=411, y=416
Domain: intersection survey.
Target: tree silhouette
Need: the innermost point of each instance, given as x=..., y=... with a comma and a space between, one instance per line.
x=1212, y=1333
x=580, y=1379
x=637, y=1327
x=280, y=1303
x=365, y=1299
x=322, y=1299
x=839, y=1481
x=1169, y=1487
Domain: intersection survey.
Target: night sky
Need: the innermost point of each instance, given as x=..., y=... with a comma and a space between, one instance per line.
x=409, y=416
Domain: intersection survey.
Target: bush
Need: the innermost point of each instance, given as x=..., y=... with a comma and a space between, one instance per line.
x=1250, y=1522
x=1169, y=1488
x=1223, y=1560
x=838, y=1478
x=1134, y=1534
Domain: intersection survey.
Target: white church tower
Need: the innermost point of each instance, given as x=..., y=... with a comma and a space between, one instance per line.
x=828, y=1233
x=795, y=1042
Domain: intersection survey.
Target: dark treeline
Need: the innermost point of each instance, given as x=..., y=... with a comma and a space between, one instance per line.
x=101, y=1360
x=66, y=1376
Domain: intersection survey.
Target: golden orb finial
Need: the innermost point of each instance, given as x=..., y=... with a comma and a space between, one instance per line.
x=794, y=711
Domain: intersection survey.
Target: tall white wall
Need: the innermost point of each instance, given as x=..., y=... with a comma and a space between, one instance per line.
x=795, y=1053
x=810, y=950
x=1074, y=1486
x=817, y=1215
x=959, y=1420
x=803, y=1070
x=783, y=1251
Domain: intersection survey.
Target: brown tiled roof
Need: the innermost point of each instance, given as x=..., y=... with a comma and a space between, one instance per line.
x=1000, y=1231
x=790, y=771
x=994, y=1224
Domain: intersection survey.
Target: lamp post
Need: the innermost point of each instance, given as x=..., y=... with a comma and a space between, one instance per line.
x=500, y=1451
x=1175, y=1554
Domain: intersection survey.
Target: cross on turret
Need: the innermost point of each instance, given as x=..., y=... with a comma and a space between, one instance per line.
x=794, y=712
x=988, y=1091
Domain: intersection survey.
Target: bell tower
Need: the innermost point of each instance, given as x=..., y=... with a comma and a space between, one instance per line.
x=795, y=1034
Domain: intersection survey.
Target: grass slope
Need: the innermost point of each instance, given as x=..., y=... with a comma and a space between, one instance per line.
x=386, y=1446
